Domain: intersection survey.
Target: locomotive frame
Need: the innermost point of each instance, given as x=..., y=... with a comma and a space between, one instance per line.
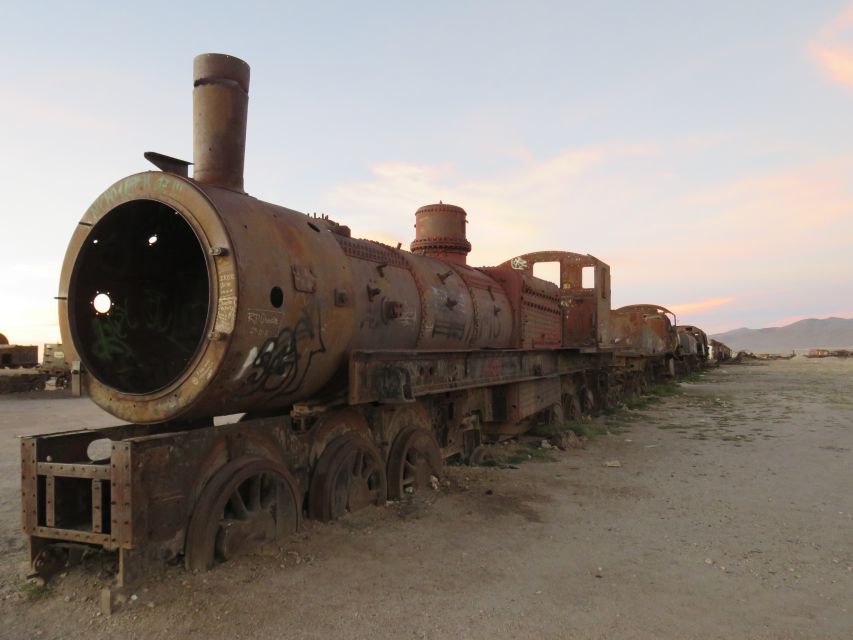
x=486, y=354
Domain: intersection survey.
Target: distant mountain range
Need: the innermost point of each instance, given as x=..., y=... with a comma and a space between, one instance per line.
x=827, y=333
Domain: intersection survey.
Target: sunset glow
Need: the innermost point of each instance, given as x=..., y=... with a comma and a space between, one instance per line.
x=707, y=161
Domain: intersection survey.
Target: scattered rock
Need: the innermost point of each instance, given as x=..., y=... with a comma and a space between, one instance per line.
x=612, y=463
x=709, y=561
x=546, y=445
x=567, y=440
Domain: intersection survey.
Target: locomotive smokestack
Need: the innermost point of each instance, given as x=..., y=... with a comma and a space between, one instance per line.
x=440, y=232
x=220, y=105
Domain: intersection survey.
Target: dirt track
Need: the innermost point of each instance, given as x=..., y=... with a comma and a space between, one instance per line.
x=730, y=517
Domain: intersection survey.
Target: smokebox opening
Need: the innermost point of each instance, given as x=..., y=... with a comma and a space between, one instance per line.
x=139, y=297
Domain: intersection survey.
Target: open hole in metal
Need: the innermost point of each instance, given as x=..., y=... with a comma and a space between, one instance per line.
x=102, y=303
x=138, y=309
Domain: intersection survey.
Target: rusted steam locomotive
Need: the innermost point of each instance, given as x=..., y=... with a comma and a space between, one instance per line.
x=358, y=367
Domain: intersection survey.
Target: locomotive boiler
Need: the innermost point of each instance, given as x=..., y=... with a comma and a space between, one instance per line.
x=354, y=368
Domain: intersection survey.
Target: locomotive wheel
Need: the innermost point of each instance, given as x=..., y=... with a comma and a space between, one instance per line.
x=248, y=503
x=413, y=462
x=348, y=476
x=482, y=455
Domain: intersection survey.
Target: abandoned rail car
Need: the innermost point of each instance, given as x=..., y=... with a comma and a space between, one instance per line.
x=358, y=367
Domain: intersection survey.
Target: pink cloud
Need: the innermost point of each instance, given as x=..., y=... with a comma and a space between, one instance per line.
x=833, y=49
x=700, y=306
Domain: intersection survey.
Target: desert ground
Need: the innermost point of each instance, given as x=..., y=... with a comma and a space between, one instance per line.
x=730, y=515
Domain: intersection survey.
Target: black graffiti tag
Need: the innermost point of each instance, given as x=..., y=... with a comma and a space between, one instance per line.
x=283, y=360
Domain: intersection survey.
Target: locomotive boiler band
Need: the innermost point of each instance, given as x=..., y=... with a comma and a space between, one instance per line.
x=358, y=367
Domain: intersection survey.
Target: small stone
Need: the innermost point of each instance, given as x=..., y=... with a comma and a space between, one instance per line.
x=612, y=463
x=546, y=445
x=134, y=598
x=709, y=561
x=150, y=605
x=567, y=440
x=433, y=481
x=67, y=598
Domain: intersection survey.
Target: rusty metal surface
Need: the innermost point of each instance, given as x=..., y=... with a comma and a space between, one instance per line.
x=349, y=476
x=414, y=463
x=694, y=341
x=544, y=311
x=644, y=329
x=163, y=472
x=401, y=376
x=359, y=366
x=22, y=380
x=440, y=233
x=16, y=355
x=220, y=107
x=718, y=351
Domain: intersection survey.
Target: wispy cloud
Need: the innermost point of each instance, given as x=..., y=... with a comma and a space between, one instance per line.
x=833, y=48
x=512, y=210
x=711, y=246
x=702, y=305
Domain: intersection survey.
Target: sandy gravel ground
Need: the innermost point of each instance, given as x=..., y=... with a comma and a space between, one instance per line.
x=730, y=517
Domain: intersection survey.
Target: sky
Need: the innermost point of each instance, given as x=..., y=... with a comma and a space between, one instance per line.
x=704, y=151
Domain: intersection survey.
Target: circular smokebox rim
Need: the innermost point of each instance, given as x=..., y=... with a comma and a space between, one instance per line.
x=201, y=345
x=184, y=195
